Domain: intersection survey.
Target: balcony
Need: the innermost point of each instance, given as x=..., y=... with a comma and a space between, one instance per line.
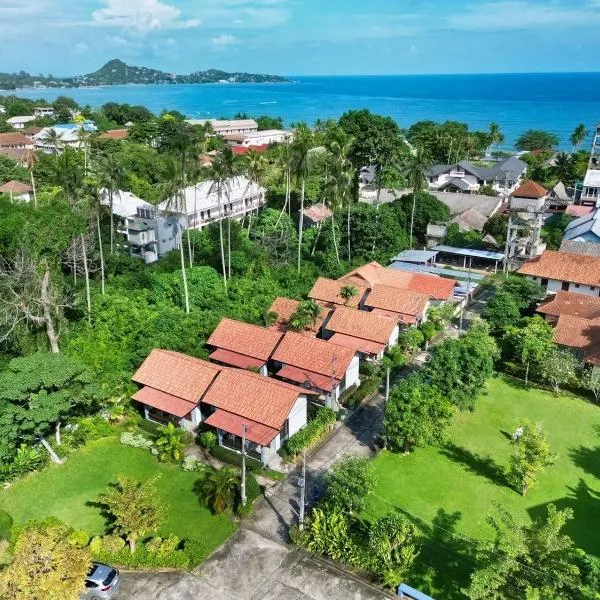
x=141, y=238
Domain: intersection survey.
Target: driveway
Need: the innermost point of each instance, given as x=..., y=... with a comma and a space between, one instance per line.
x=258, y=563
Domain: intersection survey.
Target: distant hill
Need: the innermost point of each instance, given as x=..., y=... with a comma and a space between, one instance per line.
x=116, y=72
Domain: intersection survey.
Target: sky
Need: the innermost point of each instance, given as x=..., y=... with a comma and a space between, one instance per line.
x=302, y=37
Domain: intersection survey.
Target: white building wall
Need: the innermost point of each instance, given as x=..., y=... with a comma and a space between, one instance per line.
x=297, y=418
x=555, y=285
x=353, y=374
x=393, y=341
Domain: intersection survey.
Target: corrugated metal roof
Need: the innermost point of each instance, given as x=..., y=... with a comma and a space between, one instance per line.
x=452, y=273
x=470, y=252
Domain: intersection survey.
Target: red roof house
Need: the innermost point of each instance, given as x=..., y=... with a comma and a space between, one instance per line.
x=406, y=306
x=318, y=365
x=284, y=308
x=114, y=134
x=239, y=344
x=327, y=292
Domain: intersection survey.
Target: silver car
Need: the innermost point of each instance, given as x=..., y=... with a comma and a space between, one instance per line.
x=101, y=583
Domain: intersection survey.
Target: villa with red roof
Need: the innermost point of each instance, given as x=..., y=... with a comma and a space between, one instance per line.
x=173, y=384
x=439, y=289
x=318, y=365
x=364, y=332
x=241, y=345
x=405, y=306
x=265, y=410
x=328, y=293
x=284, y=308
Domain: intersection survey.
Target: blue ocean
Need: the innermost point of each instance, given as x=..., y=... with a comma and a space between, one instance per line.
x=553, y=101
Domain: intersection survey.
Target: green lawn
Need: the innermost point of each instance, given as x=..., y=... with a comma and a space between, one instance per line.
x=65, y=492
x=457, y=486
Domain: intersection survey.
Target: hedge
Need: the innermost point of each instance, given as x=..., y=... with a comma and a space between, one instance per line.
x=367, y=388
x=314, y=431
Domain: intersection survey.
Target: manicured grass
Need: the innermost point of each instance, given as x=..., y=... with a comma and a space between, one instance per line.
x=458, y=485
x=65, y=492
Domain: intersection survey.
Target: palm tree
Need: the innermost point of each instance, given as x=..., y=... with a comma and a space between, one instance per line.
x=415, y=167
x=300, y=163
x=347, y=292
x=174, y=200
x=83, y=137
x=218, y=489
x=97, y=206
x=564, y=166
x=285, y=161
x=170, y=443
x=312, y=309
x=52, y=138
x=31, y=159
x=578, y=136
x=254, y=169
x=111, y=176
x=495, y=135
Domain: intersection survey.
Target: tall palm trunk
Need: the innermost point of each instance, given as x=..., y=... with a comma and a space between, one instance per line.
x=348, y=228
x=86, y=273
x=221, y=239
x=34, y=190
x=335, y=246
x=112, y=222
x=186, y=297
x=229, y=247
x=48, y=312
x=101, y=251
x=377, y=199
x=301, y=225
x=287, y=196
x=412, y=217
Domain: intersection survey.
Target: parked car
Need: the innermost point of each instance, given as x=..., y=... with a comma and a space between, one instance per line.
x=101, y=583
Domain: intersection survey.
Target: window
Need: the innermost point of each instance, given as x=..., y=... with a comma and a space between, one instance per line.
x=592, y=288
x=577, y=285
x=565, y=286
x=544, y=282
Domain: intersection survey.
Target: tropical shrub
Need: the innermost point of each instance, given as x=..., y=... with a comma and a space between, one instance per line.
x=218, y=489
x=349, y=483
x=137, y=440
x=411, y=339
x=191, y=463
x=208, y=439
x=79, y=538
x=170, y=443
x=314, y=430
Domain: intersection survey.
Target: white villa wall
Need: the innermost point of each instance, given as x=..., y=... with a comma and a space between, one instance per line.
x=393, y=341
x=352, y=374
x=555, y=285
x=297, y=418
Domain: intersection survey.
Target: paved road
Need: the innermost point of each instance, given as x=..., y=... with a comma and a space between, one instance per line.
x=258, y=563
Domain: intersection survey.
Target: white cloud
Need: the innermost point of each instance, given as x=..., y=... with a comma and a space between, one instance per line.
x=523, y=14
x=223, y=40
x=141, y=15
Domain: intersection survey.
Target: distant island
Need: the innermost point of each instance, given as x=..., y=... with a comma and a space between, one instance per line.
x=116, y=72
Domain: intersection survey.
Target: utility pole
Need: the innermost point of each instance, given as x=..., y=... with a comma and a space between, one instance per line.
x=244, y=464
x=302, y=486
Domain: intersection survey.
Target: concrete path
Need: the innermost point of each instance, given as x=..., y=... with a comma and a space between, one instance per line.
x=258, y=563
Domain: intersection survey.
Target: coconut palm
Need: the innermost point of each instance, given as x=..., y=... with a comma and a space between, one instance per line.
x=347, y=292
x=218, y=489
x=285, y=161
x=173, y=194
x=52, y=138
x=83, y=137
x=578, y=136
x=254, y=168
x=495, y=134
x=415, y=166
x=300, y=163
x=111, y=177
x=31, y=159
x=564, y=167
x=96, y=198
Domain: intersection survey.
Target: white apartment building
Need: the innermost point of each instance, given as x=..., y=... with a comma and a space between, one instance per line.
x=258, y=138
x=19, y=122
x=44, y=111
x=227, y=126
x=238, y=199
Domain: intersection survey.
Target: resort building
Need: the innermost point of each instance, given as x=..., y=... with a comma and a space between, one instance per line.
x=258, y=138
x=584, y=229
x=239, y=198
x=68, y=134
x=556, y=271
x=366, y=333
x=530, y=197
x=19, y=122
x=466, y=177
x=590, y=194
x=583, y=248
x=242, y=345
x=330, y=293
x=404, y=306
x=316, y=215
x=284, y=308
x=227, y=126
x=15, y=140
x=17, y=190
x=265, y=411
x=569, y=304
x=438, y=289
x=317, y=365
x=173, y=385
x=44, y=111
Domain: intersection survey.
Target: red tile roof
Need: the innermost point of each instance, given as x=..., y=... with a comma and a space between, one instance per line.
x=361, y=324
x=245, y=149
x=583, y=334
x=372, y=274
x=309, y=378
x=255, y=432
x=311, y=354
x=253, y=397
x=13, y=140
x=530, y=189
x=404, y=319
x=18, y=154
x=285, y=308
x=357, y=344
x=165, y=402
x=176, y=374
x=243, y=338
x=575, y=268
x=328, y=292
x=398, y=301
x=16, y=187
x=234, y=359
x=318, y=212
x=114, y=134
x=578, y=211
x=31, y=130
x=575, y=305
